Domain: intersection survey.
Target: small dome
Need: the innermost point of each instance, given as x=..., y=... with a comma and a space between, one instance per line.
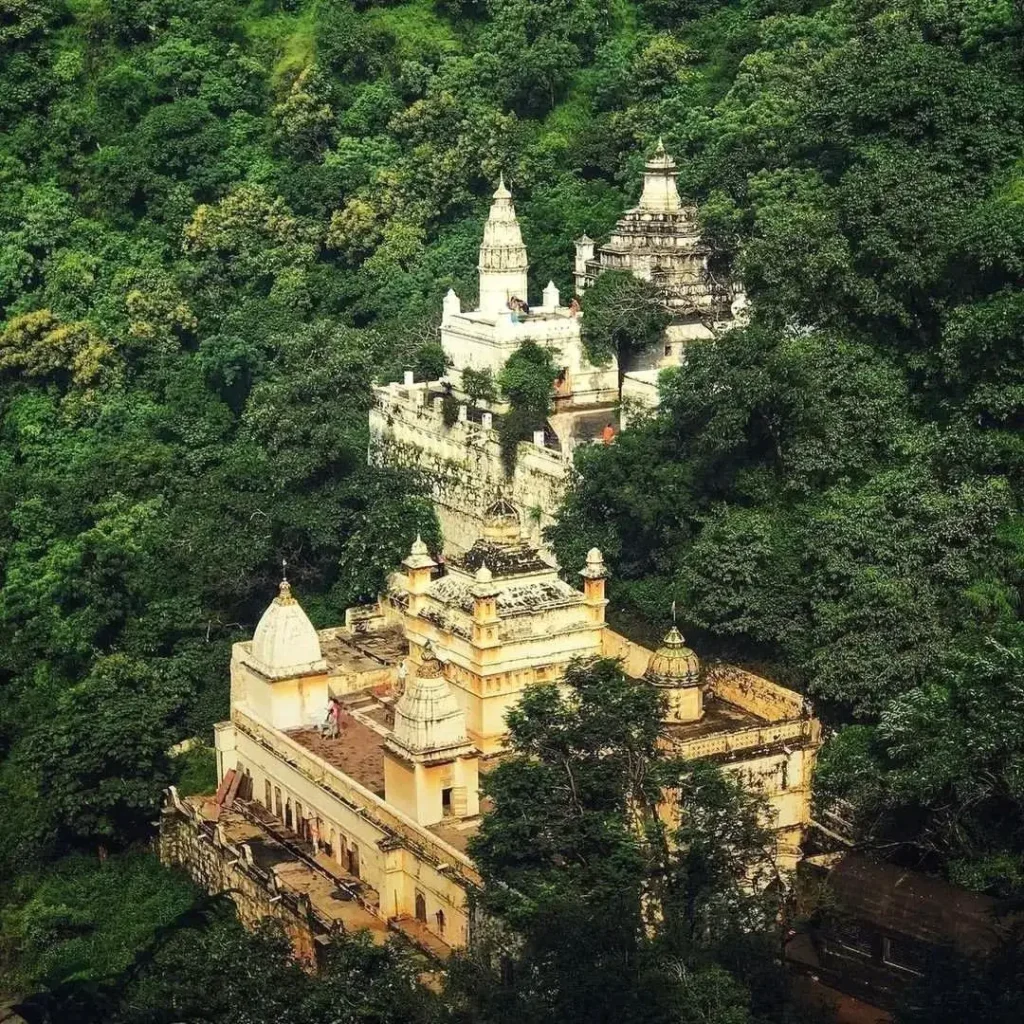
x=285, y=643
x=419, y=556
x=673, y=663
x=501, y=522
x=594, y=569
x=501, y=192
x=428, y=718
x=483, y=574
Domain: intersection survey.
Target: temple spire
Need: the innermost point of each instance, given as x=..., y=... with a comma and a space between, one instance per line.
x=660, y=195
x=503, y=263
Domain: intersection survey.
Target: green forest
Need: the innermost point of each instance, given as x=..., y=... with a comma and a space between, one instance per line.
x=223, y=221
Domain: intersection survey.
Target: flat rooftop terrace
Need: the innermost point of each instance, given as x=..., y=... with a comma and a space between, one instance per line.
x=357, y=751
x=719, y=717
x=356, y=653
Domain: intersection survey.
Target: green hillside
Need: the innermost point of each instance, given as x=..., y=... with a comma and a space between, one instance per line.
x=222, y=221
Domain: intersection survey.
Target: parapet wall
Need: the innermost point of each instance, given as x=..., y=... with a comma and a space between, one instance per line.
x=756, y=694
x=189, y=841
x=463, y=464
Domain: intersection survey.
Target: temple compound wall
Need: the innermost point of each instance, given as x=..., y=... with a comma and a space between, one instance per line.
x=462, y=463
x=189, y=840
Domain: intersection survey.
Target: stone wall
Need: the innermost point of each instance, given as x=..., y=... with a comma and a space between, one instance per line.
x=463, y=464
x=189, y=841
x=398, y=858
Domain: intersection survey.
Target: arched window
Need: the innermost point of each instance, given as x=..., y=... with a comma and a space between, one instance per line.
x=421, y=908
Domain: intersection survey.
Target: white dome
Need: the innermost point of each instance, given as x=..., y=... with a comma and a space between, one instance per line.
x=428, y=719
x=285, y=643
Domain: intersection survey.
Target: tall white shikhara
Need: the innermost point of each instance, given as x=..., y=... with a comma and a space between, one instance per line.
x=503, y=264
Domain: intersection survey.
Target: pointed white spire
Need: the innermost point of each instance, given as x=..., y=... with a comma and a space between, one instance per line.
x=661, y=194
x=503, y=262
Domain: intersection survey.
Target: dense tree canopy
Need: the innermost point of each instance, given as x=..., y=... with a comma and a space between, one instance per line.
x=222, y=220
x=605, y=908
x=833, y=493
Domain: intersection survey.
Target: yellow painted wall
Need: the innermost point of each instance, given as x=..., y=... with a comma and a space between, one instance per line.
x=396, y=885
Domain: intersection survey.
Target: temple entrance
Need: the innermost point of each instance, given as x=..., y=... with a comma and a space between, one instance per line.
x=421, y=908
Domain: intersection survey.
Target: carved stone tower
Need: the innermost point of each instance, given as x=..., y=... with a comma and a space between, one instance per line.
x=503, y=262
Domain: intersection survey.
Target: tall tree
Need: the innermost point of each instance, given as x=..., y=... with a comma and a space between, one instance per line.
x=601, y=907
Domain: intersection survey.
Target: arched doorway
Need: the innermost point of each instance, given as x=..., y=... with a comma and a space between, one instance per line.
x=421, y=908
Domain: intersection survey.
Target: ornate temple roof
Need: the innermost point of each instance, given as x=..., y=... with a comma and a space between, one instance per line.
x=456, y=591
x=503, y=560
x=673, y=664
x=428, y=719
x=285, y=643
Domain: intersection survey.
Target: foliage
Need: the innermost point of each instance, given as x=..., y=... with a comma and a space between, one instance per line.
x=195, y=770
x=832, y=494
x=82, y=920
x=449, y=409
x=203, y=965
x=526, y=382
x=623, y=316
x=991, y=987
x=220, y=222
x=598, y=911
x=479, y=385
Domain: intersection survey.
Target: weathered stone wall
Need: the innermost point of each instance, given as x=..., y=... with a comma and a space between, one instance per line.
x=463, y=465
x=189, y=841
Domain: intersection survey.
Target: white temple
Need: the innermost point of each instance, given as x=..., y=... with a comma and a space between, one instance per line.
x=484, y=338
x=658, y=240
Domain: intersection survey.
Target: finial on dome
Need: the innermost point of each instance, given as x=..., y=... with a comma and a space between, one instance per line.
x=419, y=556
x=284, y=593
x=483, y=574
x=502, y=192
x=595, y=568
x=660, y=150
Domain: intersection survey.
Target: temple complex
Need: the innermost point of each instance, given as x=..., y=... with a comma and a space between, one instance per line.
x=350, y=766
x=658, y=240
